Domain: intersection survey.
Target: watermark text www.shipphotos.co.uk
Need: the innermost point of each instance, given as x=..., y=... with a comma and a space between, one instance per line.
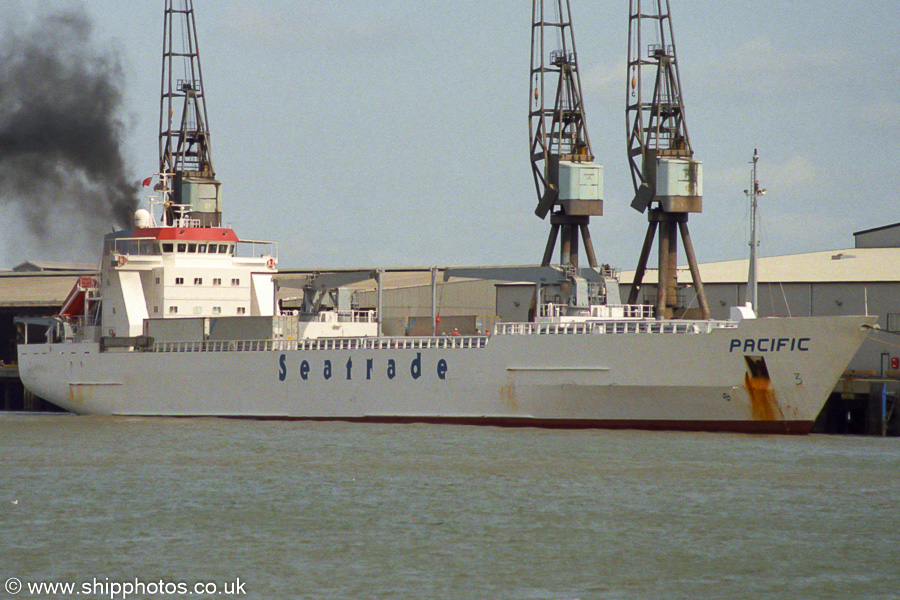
x=106, y=588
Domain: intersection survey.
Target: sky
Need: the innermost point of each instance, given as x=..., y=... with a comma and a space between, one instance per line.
x=396, y=133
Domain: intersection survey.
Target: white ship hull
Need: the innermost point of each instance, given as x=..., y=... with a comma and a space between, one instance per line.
x=594, y=379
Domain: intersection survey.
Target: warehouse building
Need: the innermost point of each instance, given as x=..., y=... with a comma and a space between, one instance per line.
x=32, y=289
x=864, y=279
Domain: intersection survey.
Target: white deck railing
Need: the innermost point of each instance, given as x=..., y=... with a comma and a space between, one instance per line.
x=350, y=316
x=611, y=327
x=602, y=327
x=444, y=342
x=551, y=310
x=364, y=343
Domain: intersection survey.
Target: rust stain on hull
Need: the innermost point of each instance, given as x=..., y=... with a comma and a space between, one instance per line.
x=763, y=403
x=76, y=393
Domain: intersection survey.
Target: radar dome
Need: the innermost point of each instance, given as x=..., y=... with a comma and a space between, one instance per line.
x=142, y=218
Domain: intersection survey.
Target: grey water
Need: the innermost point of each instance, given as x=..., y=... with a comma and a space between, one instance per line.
x=337, y=510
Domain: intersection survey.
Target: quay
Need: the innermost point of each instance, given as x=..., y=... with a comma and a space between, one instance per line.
x=33, y=289
x=15, y=397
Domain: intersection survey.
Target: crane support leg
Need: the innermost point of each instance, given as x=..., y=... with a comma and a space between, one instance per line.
x=672, y=271
x=565, y=245
x=588, y=246
x=663, y=274
x=642, y=263
x=573, y=246
x=695, y=269
x=551, y=245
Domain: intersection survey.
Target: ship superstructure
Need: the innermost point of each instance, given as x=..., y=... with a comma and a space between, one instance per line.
x=179, y=270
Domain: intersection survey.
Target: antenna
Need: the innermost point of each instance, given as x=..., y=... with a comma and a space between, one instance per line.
x=666, y=178
x=569, y=184
x=185, y=154
x=753, y=193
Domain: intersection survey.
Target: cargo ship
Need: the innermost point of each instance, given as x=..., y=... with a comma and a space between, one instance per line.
x=183, y=320
x=179, y=323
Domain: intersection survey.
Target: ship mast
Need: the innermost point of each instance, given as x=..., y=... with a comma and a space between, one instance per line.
x=569, y=184
x=186, y=170
x=666, y=178
x=753, y=276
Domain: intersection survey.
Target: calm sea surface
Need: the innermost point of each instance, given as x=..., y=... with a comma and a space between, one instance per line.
x=333, y=510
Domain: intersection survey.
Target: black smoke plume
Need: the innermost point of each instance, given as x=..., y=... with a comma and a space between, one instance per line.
x=61, y=136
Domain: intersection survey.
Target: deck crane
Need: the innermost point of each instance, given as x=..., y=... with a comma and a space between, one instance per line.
x=569, y=184
x=667, y=179
x=187, y=178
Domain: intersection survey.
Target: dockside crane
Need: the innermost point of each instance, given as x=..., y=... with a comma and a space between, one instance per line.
x=187, y=177
x=569, y=184
x=668, y=181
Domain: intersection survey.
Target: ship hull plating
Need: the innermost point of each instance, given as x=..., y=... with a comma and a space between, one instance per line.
x=765, y=375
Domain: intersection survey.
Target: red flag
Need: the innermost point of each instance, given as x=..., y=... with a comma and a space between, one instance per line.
x=147, y=181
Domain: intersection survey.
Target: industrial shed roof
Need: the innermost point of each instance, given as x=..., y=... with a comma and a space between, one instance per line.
x=832, y=266
x=40, y=265
x=37, y=289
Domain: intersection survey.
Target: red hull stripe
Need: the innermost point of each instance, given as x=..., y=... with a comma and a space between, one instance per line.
x=768, y=427
x=199, y=234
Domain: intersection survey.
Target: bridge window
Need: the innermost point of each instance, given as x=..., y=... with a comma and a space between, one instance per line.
x=168, y=247
x=182, y=247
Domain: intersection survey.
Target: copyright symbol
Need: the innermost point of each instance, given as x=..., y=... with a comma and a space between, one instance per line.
x=13, y=586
